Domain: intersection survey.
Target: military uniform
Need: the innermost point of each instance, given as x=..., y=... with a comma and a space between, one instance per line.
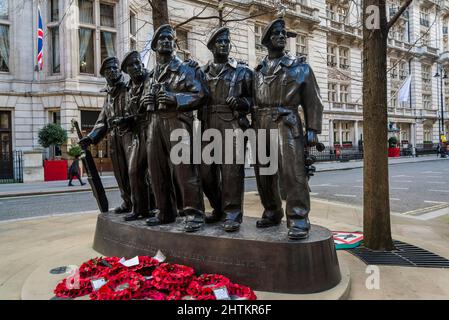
x=281, y=85
x=114, y=108
x=141, y=190
x=181, y=180
x=223, y=184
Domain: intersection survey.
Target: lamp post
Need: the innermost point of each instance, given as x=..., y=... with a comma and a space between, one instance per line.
x=439, y=74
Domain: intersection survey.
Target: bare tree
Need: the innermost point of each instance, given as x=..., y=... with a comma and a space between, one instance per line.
x=376, y=199
x=160, y=12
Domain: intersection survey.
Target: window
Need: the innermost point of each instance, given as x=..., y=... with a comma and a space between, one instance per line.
x=344, y=58
x=132, y=31
x=86, y=50
x=342, y=14
x=428, y=133
x=4, y=10
x=301, y=45
x=331, y=10
x=344, y=93
x=106, y=15
x=346, y=131
x=426, y=74
x=86, y=11
x=260, y=49
x=107, y=44
x=427, y=101
x=4, y=120
x=331, y=55
x=394, y=68
x=132, y=24
x=403, y=70
x=53, y=37
x=404, y=133
x=425, y=40
x=55, y=58
x=424, y=16
x=183, y=44
x=4, y=47
x=258, y=29
x=54, y=10
x=332, y=92
x=397, y=32
x=394, y=99
x=5, y=140
x=97, y=34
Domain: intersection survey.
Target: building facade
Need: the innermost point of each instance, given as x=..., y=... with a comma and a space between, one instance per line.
x=78, y=34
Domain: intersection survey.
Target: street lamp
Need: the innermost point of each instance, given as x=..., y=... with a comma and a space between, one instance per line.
x=439, y=74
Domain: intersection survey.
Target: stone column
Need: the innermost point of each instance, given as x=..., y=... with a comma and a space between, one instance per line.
x=356, y=132
x=340, y=133
x=331, y=133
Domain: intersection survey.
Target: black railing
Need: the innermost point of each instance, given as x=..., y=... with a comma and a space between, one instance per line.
x=11, y=167
x=426, y=148
x=337, y=154
x=356, y=153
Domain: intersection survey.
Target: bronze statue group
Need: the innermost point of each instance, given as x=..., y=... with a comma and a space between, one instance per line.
x=141, y=114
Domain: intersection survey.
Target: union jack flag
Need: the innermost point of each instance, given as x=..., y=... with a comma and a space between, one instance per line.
x=40, y=40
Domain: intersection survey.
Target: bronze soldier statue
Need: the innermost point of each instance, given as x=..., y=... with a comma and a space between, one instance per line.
x=175, y=90
x=230, y=86
x=138, y=120
x=114, y=110
x=282, y=83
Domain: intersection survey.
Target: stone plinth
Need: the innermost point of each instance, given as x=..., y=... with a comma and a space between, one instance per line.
x=263, y=259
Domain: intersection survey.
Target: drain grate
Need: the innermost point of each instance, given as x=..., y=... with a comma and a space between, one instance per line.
x=405, y=255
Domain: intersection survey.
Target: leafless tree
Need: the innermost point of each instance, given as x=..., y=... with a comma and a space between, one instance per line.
x=376, y=198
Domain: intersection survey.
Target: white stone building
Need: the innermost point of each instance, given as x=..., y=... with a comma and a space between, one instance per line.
x=79, y=33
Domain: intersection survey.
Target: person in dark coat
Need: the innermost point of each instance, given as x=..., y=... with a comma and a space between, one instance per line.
x=74, y=172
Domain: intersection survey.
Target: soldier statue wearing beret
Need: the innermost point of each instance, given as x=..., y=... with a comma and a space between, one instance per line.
x=112, y=114
x=230, y=86
x=174, y=90
x=282, y=83
x=141, y=191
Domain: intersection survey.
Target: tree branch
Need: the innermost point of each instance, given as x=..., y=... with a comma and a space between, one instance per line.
x=250, y=17
x=398, y=14
x=196, y=17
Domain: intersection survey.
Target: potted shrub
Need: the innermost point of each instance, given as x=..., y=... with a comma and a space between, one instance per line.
x=50, y=136
x=393, y=150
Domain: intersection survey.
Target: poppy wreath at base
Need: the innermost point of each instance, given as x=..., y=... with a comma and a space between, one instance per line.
x=123, y=286
x=100, y=267
x=172, y=277
x=83, y=287
x=148, y=292
x=240, y=291
x=146, y=266
x=202, y=288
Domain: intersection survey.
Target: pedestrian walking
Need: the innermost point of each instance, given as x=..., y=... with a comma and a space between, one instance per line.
x=74, y=172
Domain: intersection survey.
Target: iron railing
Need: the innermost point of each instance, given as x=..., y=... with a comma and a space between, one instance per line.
x=356, y=153
x=11, y=167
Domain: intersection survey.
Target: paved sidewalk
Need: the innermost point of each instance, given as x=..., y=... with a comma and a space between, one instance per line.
x=40, y=188
x=29, y=245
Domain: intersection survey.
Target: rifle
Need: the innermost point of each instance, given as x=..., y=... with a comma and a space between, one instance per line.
x=92, y=174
